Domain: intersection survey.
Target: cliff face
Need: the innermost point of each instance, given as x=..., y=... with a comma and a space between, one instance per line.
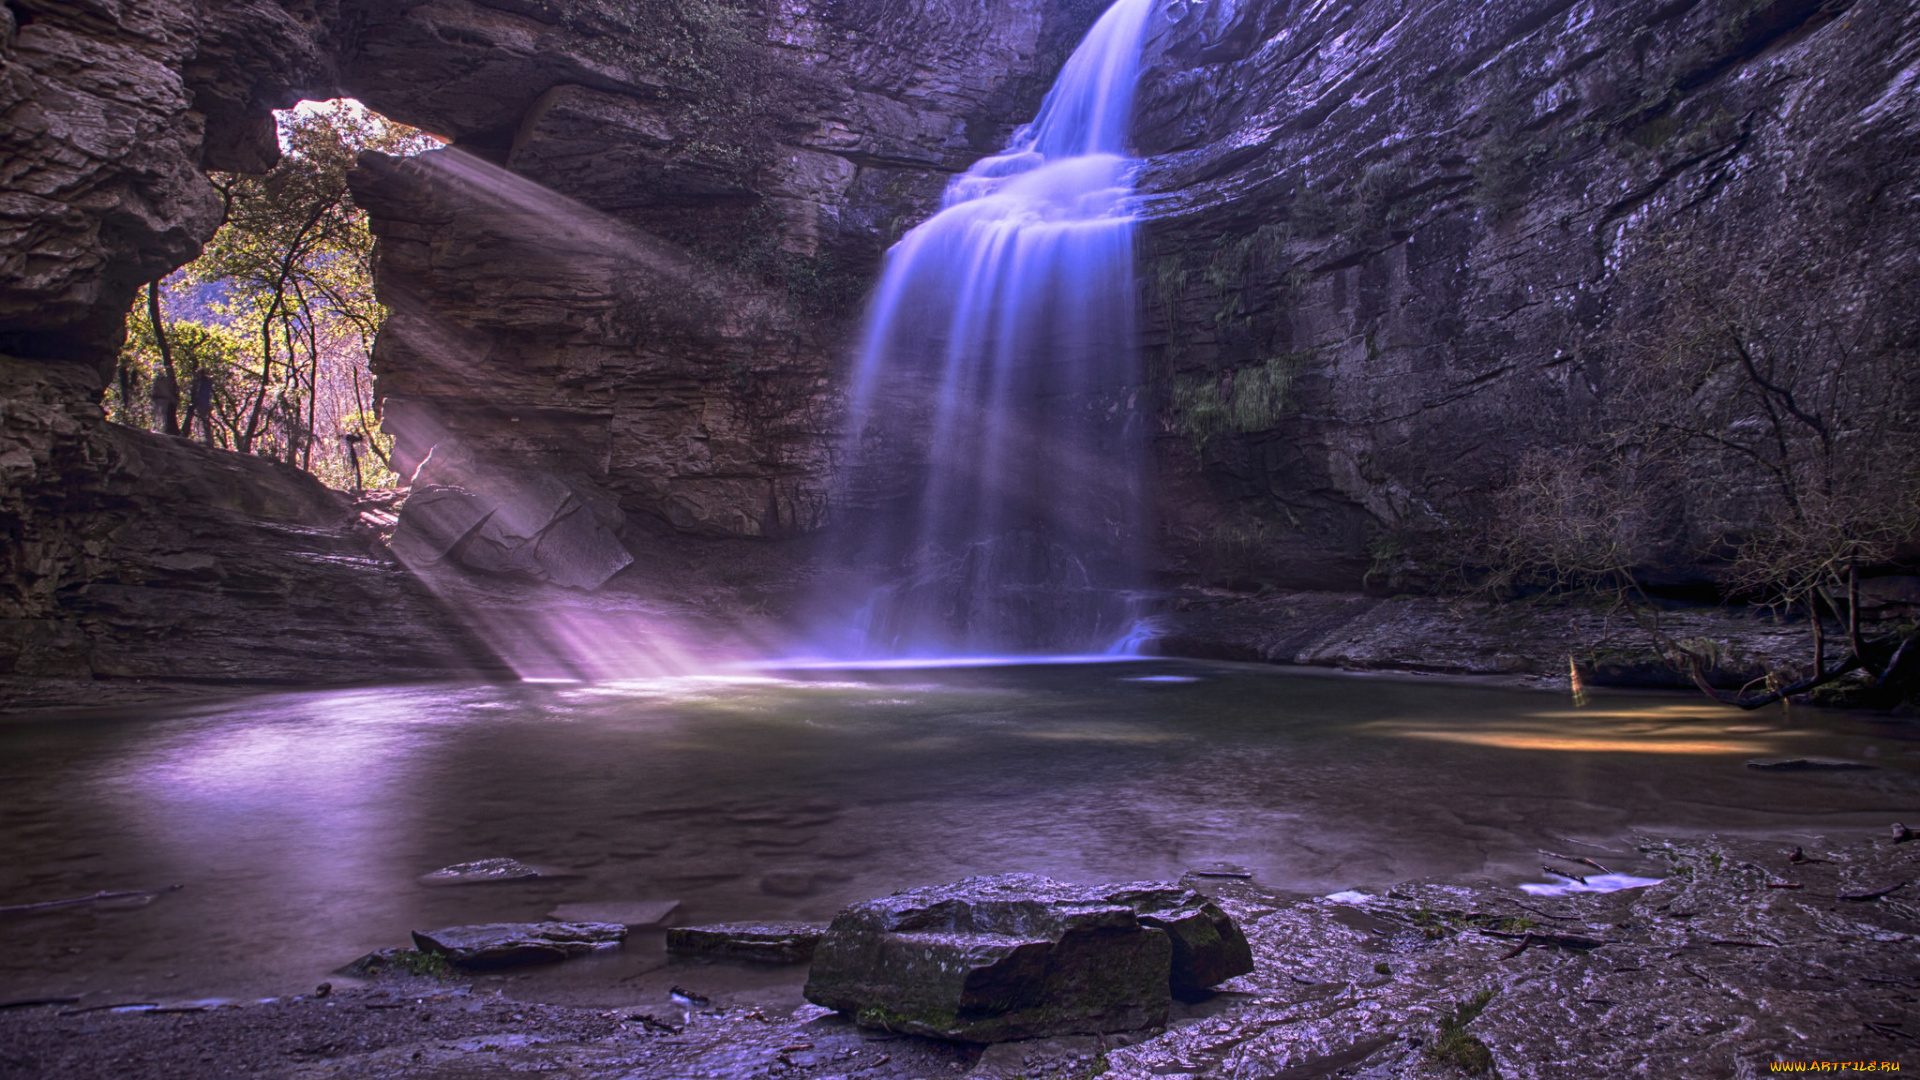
x=1394, y=252
x=135, y=562
x=111, y=110
x=1466, y=235
x=635, y=264
x=611, y=275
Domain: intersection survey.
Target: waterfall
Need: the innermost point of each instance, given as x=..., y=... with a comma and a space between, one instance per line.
x=998, y=453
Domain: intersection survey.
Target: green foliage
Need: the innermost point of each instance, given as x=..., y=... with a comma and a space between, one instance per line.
x=1376, y=200
x=1509, y=159
x=1455, y=1046
x=1235, y=265
x=1387, y=550
x=1209, y=405
x=279, y=311
x=411, y=963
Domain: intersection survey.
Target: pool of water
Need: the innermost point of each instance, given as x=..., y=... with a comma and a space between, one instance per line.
x=299, y=824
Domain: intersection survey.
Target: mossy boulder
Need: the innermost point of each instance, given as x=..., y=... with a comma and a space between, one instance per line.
x=1019, y=956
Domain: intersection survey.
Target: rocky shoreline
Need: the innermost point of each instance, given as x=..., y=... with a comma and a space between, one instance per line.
x=1538, y=644
x=1746, y=952
x=1531, y=644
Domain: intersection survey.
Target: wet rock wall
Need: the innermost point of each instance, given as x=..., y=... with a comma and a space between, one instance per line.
x=1421, y=241
x=1407, y=243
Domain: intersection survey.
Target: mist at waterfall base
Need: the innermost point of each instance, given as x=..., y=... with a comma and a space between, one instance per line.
x=995, y=471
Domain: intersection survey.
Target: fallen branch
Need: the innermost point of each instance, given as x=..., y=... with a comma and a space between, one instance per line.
x=1699, y=677
x=1581, y=859
x=1874, y=895
x=1525, y=943
x=1549, y=914
x=97, y=898
x=1546, y=937
x=27, y=1003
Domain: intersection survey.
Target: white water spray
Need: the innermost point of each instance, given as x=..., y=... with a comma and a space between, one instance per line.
x=998, y=368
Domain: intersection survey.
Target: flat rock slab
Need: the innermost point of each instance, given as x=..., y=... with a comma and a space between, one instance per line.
x=767, y=943
x=1019, y=956
x=1805, y=764
x=633, y=914
x=493, y=945
x=482, y=872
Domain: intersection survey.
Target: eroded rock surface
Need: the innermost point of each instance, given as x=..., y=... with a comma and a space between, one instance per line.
x=1738, y=958
x=111, y=112
x=496, y=945
x=1449, y=233
x=518, y=522
x=138, y=564
x=1718, y=970
x=766, y=943
x=1539, y=643
x=1019, y=956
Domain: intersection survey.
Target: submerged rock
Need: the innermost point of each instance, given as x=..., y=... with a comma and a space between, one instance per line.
x=1020, y=956
x=1806, y=764
x=490, y=945
x=789, y=883
x=633, y=914
x=481, y=872
x=768, y=943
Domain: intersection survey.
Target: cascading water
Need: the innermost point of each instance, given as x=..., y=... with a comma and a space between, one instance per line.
x=999, y=456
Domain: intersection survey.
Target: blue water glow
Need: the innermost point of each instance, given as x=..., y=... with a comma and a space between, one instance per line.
x=994, y=401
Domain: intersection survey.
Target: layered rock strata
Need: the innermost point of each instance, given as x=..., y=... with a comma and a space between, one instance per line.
x=1019, y=956
x=498, y=945
x=1397, y=251
x=1394, y=253
x=144, y=564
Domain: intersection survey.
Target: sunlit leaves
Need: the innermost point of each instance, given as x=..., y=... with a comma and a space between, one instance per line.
x=279, y=311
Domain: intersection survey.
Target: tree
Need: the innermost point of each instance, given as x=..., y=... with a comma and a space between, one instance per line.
x=279, y=310
x=1773, y=430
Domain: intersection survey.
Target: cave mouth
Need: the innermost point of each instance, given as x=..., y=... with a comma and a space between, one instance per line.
x=263, y=342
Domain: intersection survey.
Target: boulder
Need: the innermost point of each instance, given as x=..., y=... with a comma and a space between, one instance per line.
x=768, y=943
x=1019, y=956
x=1208, y=949
x=493, y=945
x=516, y=522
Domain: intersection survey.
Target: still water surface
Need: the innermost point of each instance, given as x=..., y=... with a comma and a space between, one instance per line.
x=299, y=823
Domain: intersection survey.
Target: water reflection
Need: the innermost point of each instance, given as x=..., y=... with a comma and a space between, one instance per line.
x=299, y=823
